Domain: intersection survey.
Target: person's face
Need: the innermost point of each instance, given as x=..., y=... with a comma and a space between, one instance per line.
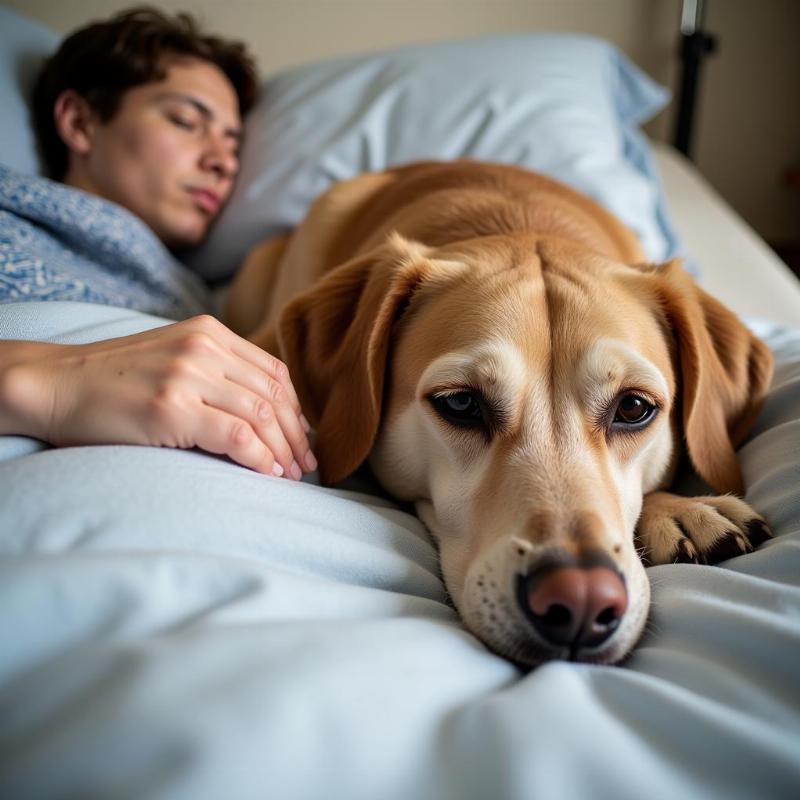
x=170, y=153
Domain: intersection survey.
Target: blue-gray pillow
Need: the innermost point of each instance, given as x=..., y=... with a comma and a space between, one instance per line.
x=565, y=105
x=24, y=45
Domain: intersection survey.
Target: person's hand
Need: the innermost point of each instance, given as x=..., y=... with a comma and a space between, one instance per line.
x=191, y=384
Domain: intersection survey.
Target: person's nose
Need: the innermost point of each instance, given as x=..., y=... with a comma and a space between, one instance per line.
x=218, y=158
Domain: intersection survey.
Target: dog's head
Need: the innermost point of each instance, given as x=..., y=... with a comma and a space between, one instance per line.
x=525, y=394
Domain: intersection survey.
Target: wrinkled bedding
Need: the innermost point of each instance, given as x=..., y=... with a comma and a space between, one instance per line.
x=174, y=625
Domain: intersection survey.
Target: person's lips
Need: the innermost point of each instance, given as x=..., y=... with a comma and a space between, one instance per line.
x=205, y=200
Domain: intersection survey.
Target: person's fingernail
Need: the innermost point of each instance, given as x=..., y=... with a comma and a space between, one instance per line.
x=277, y=470
x=304, y=423
x=311, y=462
x=295, y=470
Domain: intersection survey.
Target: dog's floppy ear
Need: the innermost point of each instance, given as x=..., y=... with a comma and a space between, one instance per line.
x=334, y=339
x=725, y=372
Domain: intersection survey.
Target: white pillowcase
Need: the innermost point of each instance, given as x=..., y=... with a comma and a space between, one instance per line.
x=24, y=45
x=565, y=105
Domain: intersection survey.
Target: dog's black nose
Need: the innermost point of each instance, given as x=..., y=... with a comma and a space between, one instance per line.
x=574, y=606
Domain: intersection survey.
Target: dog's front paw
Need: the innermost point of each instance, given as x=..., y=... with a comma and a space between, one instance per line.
x=700, y=530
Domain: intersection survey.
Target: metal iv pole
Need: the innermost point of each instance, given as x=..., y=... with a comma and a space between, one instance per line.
x=695, y=45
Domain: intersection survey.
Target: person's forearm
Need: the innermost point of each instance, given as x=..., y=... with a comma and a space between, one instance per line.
x=25, y=393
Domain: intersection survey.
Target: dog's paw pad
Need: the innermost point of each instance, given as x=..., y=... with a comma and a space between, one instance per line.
x=758, y=532
x=729, y=545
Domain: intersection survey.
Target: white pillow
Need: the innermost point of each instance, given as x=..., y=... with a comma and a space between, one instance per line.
x=566, y=105
x=23, y=47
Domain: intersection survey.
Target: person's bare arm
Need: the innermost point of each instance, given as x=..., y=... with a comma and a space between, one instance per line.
x=193, y=383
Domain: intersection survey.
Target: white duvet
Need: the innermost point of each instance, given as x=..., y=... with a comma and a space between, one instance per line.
x=175, y=626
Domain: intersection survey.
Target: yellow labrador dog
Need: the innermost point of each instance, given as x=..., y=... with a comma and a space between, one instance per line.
x=495, y=346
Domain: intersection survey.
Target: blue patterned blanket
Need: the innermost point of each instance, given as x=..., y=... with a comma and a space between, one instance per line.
x=59, y=243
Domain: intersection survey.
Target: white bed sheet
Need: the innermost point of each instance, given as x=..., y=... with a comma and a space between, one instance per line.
x=174, y=626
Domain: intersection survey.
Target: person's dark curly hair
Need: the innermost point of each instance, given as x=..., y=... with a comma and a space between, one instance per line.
x=102, y=60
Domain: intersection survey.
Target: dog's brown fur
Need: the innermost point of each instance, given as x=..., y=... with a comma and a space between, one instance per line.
x=401, y=287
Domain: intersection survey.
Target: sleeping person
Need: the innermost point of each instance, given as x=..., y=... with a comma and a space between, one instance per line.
x=139, y=122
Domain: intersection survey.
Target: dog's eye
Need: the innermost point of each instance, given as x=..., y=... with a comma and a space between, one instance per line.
x=633, y=411
x=461, y=408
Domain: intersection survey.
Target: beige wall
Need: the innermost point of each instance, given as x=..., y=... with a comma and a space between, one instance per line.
x=749, y=111
x=288, y=32
x=748, y=125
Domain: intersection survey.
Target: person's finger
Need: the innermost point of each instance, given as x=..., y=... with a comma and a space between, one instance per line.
x=270, y=364
x=242, y=399
x=290, y=427
x=248, y=352
x=271, y=418
x=219, y=432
